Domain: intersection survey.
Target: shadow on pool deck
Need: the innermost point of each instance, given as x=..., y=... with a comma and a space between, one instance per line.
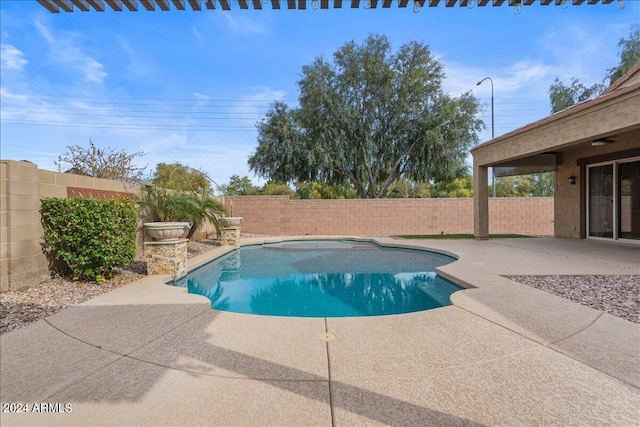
x=149, y=354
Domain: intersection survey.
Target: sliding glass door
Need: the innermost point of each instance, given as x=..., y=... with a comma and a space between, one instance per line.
x=629, y=200
x=614, y=200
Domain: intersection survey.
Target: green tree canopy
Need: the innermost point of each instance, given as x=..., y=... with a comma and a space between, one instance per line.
x=629, y=55
x=239, y=186
x=176, y=176
x=371, y=116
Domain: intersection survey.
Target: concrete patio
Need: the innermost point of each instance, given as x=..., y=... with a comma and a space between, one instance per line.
x=503, y=354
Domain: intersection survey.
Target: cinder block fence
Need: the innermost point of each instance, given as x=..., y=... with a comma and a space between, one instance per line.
x=23, y=185
x=279, y=216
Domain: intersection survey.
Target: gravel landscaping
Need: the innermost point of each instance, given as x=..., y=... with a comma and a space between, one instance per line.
x=617, y=295
x=21, y=307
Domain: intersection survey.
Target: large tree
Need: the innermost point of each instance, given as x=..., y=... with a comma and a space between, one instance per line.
x=562, y=96
x=177, y=176
x=368, y=118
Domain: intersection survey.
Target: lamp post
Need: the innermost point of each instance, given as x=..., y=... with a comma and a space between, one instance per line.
x=493, y=173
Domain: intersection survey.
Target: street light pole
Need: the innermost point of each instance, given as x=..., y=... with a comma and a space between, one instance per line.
x=493, y=173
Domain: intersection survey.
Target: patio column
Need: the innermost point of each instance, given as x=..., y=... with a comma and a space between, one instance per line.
x=480, y=201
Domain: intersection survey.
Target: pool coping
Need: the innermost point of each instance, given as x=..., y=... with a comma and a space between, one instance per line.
x=521, y=334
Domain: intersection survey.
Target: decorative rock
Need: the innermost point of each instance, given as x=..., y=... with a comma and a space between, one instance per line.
x=167, y=257
x=230, y=236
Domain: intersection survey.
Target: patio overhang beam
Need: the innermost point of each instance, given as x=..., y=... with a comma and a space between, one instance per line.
x=56, y=6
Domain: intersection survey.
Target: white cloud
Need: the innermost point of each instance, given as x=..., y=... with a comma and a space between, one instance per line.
x=11, y=57
x=65, y=51
x=201, y=96
x=243, y=25
x=255, y=104
x=137, y=66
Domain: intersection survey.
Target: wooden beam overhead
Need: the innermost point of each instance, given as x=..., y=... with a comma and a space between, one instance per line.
x=291, y=4
x=224, y=4
x=386, y=3
x=131, y=5
x=243, y=4
x=302, y=4
x=163, y=5
x=545, y=2
x=64, y=5
x=195, y=4
x=528, y=2
x=178, y=4
x=83, y=5
x=577, y=2
x=257, y=4
x=355, y=4
x=450, y=3
x=482, y=2
x=116, y=5
x=275, y=4
x=465, y=2
x=50, y=6
x=148, y=4
x=97, y=5
x=324, y=4
x=337, y=4
x=498, y=2
x=373, y=3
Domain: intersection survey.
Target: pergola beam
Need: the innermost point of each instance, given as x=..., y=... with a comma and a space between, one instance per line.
x=163, y=5
x=131, y=5
x=97, y=5
x=178, y=4
x=148, y=4
x=116, y=5
x=51, y=7
x=83, y=5
x=64, y=5
x=195, y=4
x=55, y=6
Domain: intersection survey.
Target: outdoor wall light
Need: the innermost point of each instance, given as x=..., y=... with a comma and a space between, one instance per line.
x=572, y=180
x=602, y=141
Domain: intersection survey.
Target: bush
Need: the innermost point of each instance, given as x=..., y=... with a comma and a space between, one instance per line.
x=90, y=236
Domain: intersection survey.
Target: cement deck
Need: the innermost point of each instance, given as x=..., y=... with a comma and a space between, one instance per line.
x=503, y=354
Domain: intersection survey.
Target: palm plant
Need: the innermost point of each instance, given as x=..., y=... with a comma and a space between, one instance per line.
x=160, y=204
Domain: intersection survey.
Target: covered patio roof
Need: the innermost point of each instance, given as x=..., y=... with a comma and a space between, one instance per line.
x=55, y=6
x=615, y=111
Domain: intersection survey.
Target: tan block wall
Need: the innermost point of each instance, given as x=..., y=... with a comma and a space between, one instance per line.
x=277, y=216
x=22, y=186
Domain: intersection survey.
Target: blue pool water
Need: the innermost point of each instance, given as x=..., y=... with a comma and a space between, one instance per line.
x=322, y=278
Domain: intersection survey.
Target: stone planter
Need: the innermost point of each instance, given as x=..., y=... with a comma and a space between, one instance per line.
x=231, y=221
x=161, y=231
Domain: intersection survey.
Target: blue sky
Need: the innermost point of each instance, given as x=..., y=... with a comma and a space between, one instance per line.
x=189, y=86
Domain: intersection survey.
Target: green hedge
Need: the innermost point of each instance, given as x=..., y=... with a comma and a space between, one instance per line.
x=90, y=236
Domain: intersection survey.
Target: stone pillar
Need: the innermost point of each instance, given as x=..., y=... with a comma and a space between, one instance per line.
x=230, y=236
x=167, y=257
x=480, y=202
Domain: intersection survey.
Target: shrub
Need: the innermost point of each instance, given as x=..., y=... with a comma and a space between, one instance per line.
x=90, y=236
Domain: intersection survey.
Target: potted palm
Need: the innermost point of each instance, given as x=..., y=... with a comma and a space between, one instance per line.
x=172, y=214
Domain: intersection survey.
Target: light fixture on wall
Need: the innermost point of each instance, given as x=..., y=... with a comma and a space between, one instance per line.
x=572, y=180
x=602, y=141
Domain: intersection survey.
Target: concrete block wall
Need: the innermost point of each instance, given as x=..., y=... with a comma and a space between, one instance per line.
x=278, y=215
x=22, y=186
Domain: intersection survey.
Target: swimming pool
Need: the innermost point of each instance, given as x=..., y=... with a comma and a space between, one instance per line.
x=322, y=278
